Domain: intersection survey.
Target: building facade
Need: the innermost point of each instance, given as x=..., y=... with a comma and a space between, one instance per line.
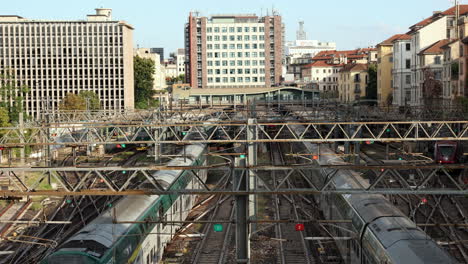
x=159, y=76
x=180, y=61
x=402, y=53
x=159, y=51
x=384, y=71
x=324, y=75
x=352, y=83
x=234, y=51
x=54, y=58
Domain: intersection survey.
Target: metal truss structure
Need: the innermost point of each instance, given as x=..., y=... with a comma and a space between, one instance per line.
x=82, y=180
x=259, y=110
x=234, y=132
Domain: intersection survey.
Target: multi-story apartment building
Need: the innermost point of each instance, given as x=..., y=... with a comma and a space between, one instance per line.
x=180, y=61
x=385, y=67
x=352, y=83
x=324, y=74
x=402, y=70
x=159, y=76
x=441, y=25
x=236, y=51
x=159, y=51
x=55, y=58
x=450, y=73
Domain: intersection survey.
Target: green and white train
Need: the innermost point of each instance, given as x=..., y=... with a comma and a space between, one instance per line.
x=101, y=241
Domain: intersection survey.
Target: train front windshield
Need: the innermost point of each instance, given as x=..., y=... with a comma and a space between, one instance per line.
x=446, y=151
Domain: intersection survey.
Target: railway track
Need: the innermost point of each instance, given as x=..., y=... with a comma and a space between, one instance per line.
x=293, y=247
x=78, y=210
x=12, y=211
x=213, y=246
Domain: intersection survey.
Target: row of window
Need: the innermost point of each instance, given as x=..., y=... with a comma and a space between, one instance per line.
x=238, y=71
x=60, y=29
x=234, y=79
x=239, y=63
x=329, y=71
x=235, y=55
x=234, y=46
x=235, y=38
x=234, y=29
x=101, y=41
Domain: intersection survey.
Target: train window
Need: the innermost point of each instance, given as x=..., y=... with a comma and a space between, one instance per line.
x=446, y=150
x=148, y=258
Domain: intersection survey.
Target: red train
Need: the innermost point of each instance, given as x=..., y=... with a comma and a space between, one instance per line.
x=448, y=152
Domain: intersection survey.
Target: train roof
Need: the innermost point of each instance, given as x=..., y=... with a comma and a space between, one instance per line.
x=371, y=207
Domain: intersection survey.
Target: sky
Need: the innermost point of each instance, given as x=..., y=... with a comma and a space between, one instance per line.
x=160, y=23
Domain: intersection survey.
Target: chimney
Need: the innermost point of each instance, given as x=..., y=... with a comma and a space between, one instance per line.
x=436, y=13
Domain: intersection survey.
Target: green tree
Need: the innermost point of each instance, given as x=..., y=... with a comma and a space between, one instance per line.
x=4, y=117
x=143, y=76
x=73, y=102
x=371, y=89
x=91, y=99
x=12, y=95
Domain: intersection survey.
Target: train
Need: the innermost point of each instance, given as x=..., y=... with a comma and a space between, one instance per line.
x=102, y=241
x=379, y=232
x=448, y=152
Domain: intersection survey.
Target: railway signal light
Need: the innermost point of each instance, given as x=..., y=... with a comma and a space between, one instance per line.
x=218, y=227
x=387, y=130
x=118, y=146
x=184, y=133
x=369, y=142
x=242, y=156
x=124, y=172
x=423, y=201
x=68, y=201
x=299, y=227
x=315, y=157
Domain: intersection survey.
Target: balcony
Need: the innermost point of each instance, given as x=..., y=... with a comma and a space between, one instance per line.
x=357, y=91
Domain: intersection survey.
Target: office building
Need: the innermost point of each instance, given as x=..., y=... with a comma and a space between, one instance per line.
x=55, y=58
x=234, y=51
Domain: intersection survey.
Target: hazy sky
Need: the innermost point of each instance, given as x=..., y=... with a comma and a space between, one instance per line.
x=157, y=23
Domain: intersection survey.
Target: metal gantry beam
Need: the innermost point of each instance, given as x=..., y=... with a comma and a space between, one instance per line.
x=235, y=132
x=117, y=180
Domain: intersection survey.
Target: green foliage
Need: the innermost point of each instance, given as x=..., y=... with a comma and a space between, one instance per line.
x=4, y=117
x=172, y=80
x=91, y=99
x=73, y=102
x=371, y=89
x=143, y=76
x=12, y=95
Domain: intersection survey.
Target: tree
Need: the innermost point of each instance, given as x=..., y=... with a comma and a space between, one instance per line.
x=4, y=117
x=12, y=95
x=432, y=88
x=73, y=102
x=143, y=76
x=371, y=89
x=91, y=99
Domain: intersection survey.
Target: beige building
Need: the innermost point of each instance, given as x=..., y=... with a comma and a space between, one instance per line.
x=234, y=51
x=55, y=58
x=159, y=76
x=384, y=71
x=450, y=73
x=352, y=82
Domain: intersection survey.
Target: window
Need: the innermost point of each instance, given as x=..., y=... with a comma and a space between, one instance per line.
x=239, y=29
x=232, y=46
x=240, y=79
x=232, y=38
x=408, y=64
x=216, y=46
x=390, y=59
x=231, y=29
x=239, y=46
x=408, y=46
x=216, y=29
x=408, y=79
x=216, y=38
x=225, y=46
x=239, y=71
x=254, y=29
x=239, y=38
x=209, y=46
x=224, y=38
x=261, y=29
x=209, y=38
x=224, y=29
x=247, y=37
x=209, y=30
x=437, y=60
x=232, y=63
x=254, y=37
x=210, y=71
x=246, y=29
x=247, y=46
